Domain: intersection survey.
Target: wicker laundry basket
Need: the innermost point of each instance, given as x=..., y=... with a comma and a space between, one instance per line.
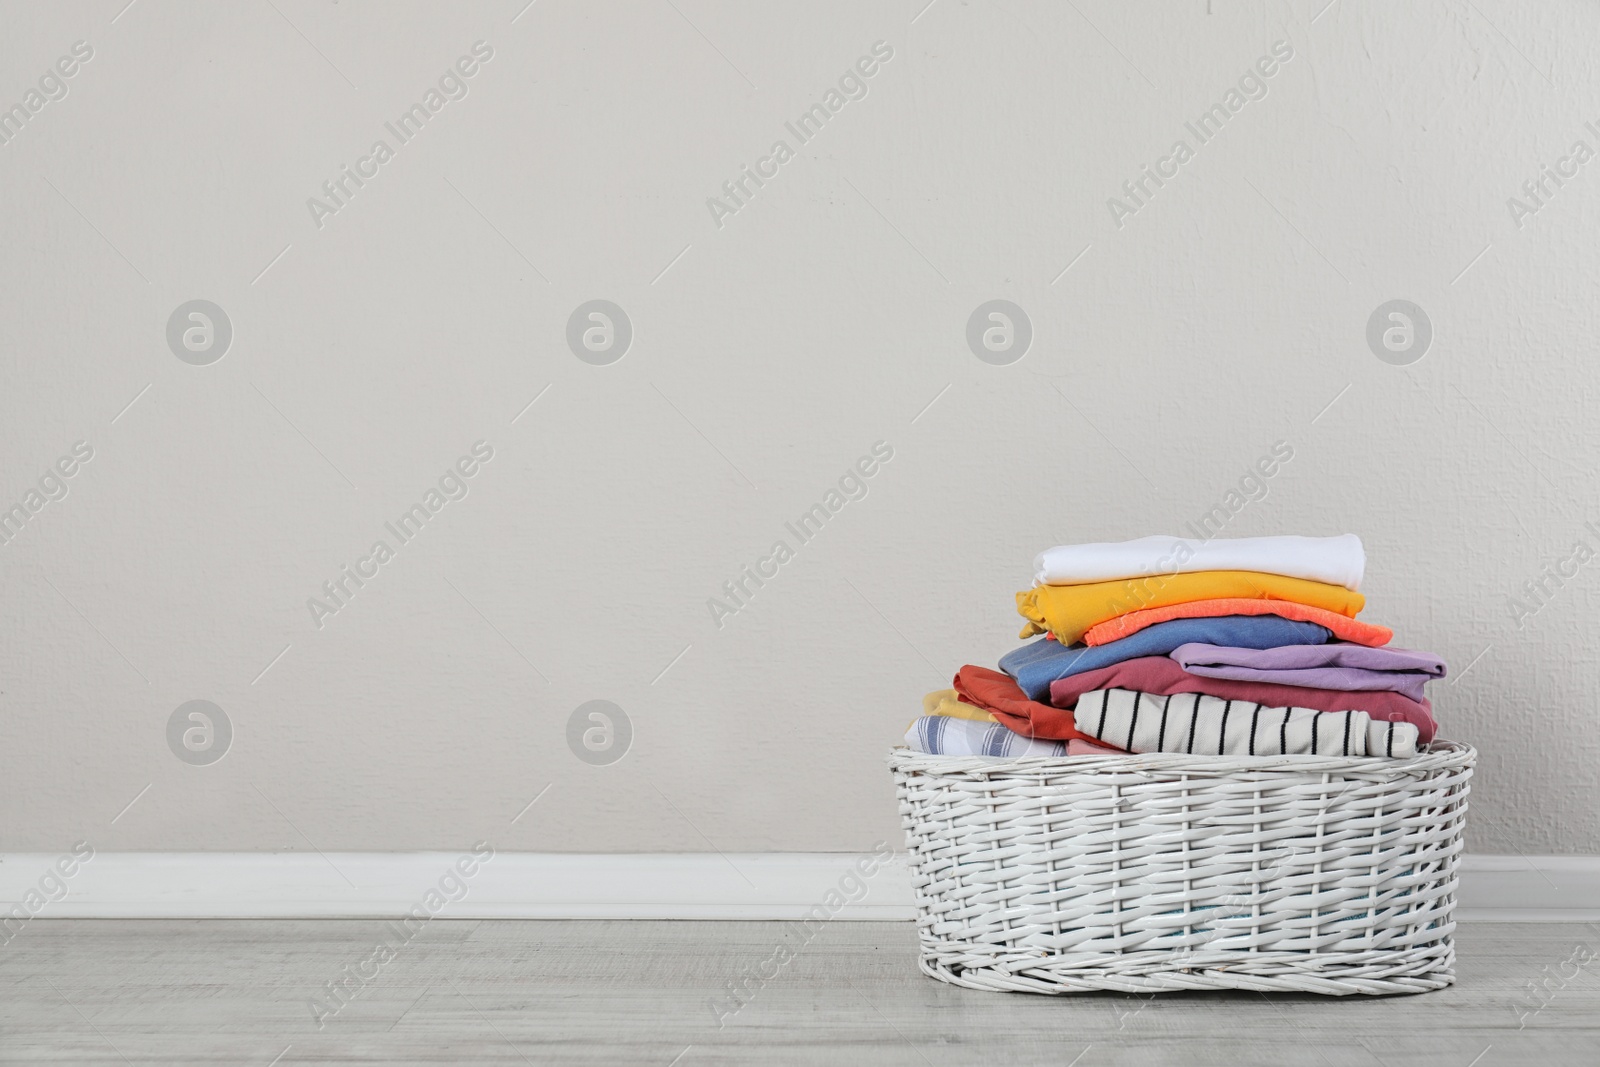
x=1306, y=874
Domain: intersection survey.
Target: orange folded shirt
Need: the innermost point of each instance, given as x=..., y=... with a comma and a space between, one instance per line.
x=1345, y=629
x=1001, y=696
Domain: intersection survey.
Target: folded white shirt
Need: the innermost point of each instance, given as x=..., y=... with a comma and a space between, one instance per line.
x=1335, y=560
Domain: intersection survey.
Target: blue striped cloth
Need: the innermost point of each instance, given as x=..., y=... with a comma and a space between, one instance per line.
x=1038, y=663
x=942, y=735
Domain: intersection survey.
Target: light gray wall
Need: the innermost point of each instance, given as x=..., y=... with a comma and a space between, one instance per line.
x=769, y=354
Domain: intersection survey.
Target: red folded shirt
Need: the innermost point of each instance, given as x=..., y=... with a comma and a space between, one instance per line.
x=1000, y=695
x=1163, y=677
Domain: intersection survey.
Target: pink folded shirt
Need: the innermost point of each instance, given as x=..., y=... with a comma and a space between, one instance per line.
x=1327, y=666
x=1089, y=748
x=1163, y=676
x=1345, y=629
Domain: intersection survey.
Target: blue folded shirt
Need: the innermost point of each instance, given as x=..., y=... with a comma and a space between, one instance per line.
x=1038, y=663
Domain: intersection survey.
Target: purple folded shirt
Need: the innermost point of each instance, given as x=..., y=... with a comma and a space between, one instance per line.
x=1347, y=667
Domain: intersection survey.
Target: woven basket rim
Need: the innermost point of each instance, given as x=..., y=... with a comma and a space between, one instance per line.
x=1438, y=755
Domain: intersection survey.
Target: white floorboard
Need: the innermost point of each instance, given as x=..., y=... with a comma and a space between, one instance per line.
x=184, y=993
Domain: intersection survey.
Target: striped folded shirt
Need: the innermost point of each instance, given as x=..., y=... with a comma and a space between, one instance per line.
x=1208, y=725
x=941, y=735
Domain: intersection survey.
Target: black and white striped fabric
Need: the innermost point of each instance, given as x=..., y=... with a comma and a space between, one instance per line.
x=1208, y=725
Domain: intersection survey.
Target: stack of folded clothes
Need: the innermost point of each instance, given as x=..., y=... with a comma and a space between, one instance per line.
x=1243, y=646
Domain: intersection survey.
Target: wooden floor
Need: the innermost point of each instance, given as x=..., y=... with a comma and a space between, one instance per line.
x=239, y=992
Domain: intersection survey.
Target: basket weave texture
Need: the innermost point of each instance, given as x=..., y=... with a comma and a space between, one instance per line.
x=1310, y=874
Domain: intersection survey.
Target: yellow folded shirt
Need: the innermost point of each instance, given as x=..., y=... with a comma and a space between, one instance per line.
x=945, y=702
x=1068, y=611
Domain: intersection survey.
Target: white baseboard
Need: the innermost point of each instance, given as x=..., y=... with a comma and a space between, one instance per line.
x=1529, y=888
x=524, y=885
x=511, y=885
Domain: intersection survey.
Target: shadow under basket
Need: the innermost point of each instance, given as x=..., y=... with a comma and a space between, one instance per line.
x=1306, y=874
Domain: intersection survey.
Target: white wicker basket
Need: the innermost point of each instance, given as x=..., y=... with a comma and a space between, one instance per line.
x=1306, y=874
